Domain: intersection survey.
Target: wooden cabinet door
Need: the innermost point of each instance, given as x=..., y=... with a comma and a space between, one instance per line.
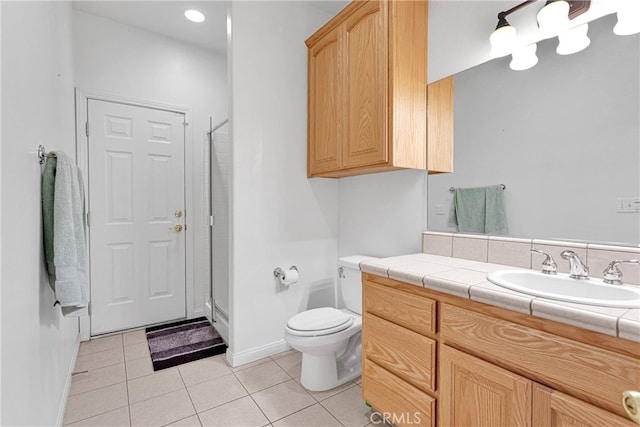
x=440, y=126
x=552, y=408
x=365, y=86
x=324, y=105
x=476, y=393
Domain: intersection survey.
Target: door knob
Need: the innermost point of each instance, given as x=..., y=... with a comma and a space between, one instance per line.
x=178, y=213
x=631, y=404
x=177, y=228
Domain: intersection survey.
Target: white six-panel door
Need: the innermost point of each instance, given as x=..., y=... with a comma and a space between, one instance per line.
x=136, y=207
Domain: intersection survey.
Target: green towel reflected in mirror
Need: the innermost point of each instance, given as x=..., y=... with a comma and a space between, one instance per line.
x=480, y=210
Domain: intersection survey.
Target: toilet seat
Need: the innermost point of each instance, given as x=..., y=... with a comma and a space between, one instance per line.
x=319, y=321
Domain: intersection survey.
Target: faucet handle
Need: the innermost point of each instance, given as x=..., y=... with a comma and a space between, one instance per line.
x=549, y=266
x=612, y=274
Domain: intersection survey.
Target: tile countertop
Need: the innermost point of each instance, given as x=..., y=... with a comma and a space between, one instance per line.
x=468, y=279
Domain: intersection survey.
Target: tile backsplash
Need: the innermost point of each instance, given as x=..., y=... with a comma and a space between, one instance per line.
x=516, y=252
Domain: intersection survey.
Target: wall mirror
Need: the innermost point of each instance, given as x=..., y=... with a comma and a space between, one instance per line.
x=563, y=137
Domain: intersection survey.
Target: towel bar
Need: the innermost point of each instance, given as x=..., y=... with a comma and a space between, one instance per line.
x=453, y=189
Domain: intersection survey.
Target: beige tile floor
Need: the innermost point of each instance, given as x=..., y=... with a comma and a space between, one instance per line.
x=120, y=388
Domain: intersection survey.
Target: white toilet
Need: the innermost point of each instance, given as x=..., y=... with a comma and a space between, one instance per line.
x=330, y=339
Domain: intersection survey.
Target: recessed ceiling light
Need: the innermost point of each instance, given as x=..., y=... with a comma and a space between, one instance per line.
x=194, y=15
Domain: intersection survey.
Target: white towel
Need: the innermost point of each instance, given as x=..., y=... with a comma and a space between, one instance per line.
x=65, y=233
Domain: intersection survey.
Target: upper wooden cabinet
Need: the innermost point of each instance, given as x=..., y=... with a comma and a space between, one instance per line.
x=368, y=92
x=440, y=126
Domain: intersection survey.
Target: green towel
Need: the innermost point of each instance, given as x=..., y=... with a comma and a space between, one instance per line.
x=479, y=210
x=64, y=233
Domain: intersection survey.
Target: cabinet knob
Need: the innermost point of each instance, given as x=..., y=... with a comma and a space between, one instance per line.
x=631, y=404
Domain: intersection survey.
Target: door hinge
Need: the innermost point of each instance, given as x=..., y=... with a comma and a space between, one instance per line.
x=212, y=221
x=185, y=227
x=185, y=124
x=86, y=128
x=88, y=219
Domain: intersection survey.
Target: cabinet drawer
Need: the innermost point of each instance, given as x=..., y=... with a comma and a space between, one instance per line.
x=593, y=374
x=411, y=311
x=404, y=353
x=400, y=402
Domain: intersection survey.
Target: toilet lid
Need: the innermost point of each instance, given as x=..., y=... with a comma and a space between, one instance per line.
x=326, y=320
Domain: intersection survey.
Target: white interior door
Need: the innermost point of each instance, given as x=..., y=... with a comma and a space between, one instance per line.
x=136, y=207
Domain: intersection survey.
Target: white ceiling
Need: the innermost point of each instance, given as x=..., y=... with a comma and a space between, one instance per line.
x=167, y=17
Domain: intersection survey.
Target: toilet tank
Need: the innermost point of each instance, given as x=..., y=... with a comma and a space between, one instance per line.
x=350, y=281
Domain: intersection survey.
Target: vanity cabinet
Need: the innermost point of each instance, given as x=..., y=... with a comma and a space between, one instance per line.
x=367, y=91
x=494, y=366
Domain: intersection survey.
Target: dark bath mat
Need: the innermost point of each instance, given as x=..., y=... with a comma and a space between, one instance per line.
x=184, y=341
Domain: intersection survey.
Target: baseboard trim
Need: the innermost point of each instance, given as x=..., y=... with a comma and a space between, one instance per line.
x=256, y=353
x=67, y=384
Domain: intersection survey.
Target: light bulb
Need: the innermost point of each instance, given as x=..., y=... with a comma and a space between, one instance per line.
x=524, y=57
x=553, y=18
x=628, y=18
x=573, y=40
x=502, y=41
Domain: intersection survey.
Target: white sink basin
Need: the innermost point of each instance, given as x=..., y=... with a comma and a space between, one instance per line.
x=564, y=288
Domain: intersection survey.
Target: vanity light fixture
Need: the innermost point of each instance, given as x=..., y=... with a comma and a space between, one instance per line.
x=194, y=15
x=554, y=19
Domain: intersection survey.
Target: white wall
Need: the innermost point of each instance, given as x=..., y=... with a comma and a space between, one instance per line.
x=122, y=60
x=279, y=217
x=382, y=214
x=38, y=344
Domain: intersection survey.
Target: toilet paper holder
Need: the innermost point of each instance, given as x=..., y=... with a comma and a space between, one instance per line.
x=278, y=273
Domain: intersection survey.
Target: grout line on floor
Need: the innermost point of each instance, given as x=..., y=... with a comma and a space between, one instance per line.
x=193, y=405
x=299, y=410
x=100, y=388
x=128, y=401
x=95, y=415
x=251, y=397
x=163, y=394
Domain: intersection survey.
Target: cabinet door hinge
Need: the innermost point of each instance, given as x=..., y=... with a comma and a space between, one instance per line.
x=212, y=221
x=88, y=219
x=86, y=128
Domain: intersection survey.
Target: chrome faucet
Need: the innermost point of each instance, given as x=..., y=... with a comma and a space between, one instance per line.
x=577, y=267
x=612, y=274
